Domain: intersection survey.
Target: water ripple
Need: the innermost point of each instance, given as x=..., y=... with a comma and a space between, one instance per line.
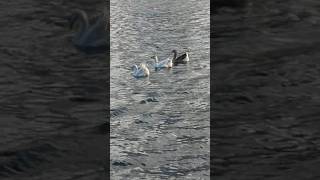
x=163, y=118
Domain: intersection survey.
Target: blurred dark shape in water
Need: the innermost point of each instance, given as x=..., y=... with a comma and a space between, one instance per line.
x=183, y=58
x=90, y=37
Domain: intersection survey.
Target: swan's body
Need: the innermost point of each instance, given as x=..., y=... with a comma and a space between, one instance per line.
x=90, y=36
x=182, y=59
x=166, y=63
x=141, y=71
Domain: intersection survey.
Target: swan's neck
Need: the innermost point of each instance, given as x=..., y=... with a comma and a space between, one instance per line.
x=84, y=23
x=174, y=55
x=156, y=59
x=135, y=68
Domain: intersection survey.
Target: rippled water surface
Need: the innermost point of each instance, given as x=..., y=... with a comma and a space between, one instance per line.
x=160, y=124
x=266, y=120
x=52, y=99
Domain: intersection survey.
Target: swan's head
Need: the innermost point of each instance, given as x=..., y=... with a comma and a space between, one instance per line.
x=77, y=18
x=174, y=54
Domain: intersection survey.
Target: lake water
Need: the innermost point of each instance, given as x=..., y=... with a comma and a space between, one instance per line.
x=160, y=125
x=53, y=96
x=266, y=90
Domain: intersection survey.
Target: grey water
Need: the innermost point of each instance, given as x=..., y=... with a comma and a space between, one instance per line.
x=52, y=95
x=266, y=105
x=160, y=125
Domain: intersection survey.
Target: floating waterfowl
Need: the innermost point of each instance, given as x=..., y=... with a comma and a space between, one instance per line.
x=182, y=59
x=90, y=37
x=166, y=63
x=141, y=71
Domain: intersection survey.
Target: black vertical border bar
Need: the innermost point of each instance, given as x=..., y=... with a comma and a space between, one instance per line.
x=211, y=88
x=107, y=169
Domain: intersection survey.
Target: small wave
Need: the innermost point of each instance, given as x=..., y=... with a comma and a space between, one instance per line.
x=117, y=112
x=20, y=160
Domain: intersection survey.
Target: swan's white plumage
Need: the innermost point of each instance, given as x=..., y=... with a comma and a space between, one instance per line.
x=166, y=63
x=187, y=57
x=141, y=71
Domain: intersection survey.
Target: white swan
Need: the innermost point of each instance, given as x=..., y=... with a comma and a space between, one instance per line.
x=90, y=37
x=166, y=63
x=141, y=71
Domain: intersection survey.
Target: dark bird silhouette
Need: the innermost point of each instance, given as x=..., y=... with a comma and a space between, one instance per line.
x=182, y=59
